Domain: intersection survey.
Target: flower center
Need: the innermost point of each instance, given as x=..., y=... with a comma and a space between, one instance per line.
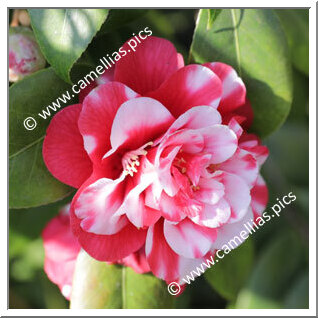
x=130, y=159
x=181, y=164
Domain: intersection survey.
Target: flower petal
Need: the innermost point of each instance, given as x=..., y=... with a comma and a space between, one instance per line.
x=233, y=88
x=163, y=261
x=242, y=164
x=236, y=127
x=252, y=144
x=151, y=63
x=58, y=240
x=139, y=121
x=229, y=234
x=237, y=194
x=97, y=205
x=137, y=261
x=213, y=216
x=195, y=118
x=259, y=197
x=106, y=77
x=170, y=209
x=210, y=191
x=95, y=121
x=63, y=148
x=61, y=249
x=220, y=142
x=244, y=115
x=133, y=205
x=110, y=248
x=189, y=239
x=192, y=85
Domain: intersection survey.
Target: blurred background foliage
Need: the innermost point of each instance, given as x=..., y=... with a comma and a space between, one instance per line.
x=270, y=270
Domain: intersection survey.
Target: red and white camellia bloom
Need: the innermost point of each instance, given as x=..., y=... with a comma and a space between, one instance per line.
x=62, y=248
x=160, y=160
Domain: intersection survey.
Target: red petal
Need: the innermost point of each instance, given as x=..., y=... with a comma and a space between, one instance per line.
x=192, y=85
x=61, y=249
x=63, y=148
x=259, y=197
x=137, y=261
x=85, y=91
x=110, y=248
x=151, y=63
x=244, y=115
x=189, y=239
x=234, y=90
x=106, y=77
x=139, y=121
x=163, y=261
x=96, y=118
x=252, y=144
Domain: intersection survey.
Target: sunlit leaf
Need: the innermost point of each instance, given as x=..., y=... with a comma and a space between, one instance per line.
x=64, y=34
x=100, y=285
x=254, y=43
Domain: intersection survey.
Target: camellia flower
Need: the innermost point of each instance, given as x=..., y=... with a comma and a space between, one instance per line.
x=62, y=248
x=25, y=56
x=160, y=159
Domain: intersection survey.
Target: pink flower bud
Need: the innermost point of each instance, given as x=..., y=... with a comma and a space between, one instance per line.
x=25, y=56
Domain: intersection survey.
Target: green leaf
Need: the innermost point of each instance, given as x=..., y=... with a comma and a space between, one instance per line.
x=100, y=285
x=212, y=15
x=64, y=34
x=30, y=182
x=273, y=273
x=254, y=43
x=229, y=275
x=296, y=25
x=119, y=17
x=300, y=106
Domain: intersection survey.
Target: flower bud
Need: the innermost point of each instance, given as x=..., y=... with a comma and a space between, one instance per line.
x=25, y=56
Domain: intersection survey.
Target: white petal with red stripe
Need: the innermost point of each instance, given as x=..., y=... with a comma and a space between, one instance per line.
x=259, y=196
x=237, y=194
x=234, y=91
x=97, y=204
x=242, y=164
x=220, y=142
x=189, y=239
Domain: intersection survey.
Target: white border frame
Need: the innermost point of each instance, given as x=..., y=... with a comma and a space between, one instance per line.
x=312, y=163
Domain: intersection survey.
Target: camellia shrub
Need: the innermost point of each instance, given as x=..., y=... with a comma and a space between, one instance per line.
x=143, y=154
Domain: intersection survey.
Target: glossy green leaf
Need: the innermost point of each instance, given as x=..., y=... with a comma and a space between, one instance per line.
x=99, y=285
x=30, y=182
x=272, y=275
x=231, y=272
x=254, y=43
x=296, y=26
x=64, y=34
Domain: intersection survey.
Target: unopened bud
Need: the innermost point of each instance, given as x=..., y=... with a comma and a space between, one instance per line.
x=25, y=56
